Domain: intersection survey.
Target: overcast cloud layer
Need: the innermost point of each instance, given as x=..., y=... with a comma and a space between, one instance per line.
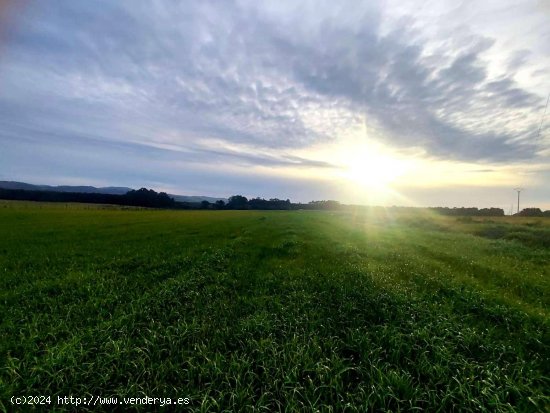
x=164, y=93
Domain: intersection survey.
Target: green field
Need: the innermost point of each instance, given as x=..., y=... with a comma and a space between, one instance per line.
x=274, y=311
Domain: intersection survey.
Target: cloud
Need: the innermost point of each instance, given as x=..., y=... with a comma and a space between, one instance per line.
x=263, y=78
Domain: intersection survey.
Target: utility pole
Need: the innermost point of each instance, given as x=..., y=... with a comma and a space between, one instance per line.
x=518, y=190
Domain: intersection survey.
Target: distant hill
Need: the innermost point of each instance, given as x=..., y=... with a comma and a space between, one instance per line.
x=111, y=190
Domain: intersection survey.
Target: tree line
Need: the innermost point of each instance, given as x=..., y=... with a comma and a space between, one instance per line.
x=533, y=212
x=469, y=212
x=241, y=202
x=151, y=199
x=142, y=197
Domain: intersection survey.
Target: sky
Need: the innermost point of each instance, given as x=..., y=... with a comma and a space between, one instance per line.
x=395, y=102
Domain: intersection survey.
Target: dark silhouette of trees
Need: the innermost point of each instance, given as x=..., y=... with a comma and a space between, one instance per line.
x=469, y=212
x=51, y=196
x=531, y=212
x=324, y=205
x=273, y=203
x=142, y=197
x=148, y=198
x=237, y=202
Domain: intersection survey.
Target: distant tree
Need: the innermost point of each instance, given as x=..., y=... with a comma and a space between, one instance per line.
x=148, y=198
x=219, y=204
x=276, y=203
x=492, y=212
x=324, y=205
x=469, y=212
x=237, y=202
x=264, y=204
x=530, y=212
x=54, y=196
x=546, y=213
x=205, y=204
x=142, y=197
x=257, y=203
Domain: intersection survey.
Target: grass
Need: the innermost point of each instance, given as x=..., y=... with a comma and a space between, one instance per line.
x=274, y=311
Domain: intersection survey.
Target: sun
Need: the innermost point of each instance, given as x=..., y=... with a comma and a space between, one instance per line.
x=373, y=170
x=370, y=167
